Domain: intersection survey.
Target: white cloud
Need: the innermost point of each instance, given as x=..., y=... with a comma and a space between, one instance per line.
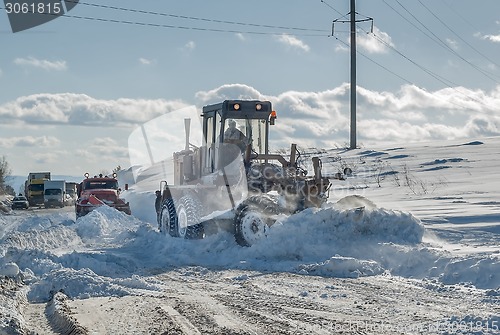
x=293, y=42
x=105, y=147
x=100, y=153
x=318, y=119
x=189, y=46
x=29, y=141
x=411, y=114
x=45, y=158
x=453, y=63
x=452, y=43
x=341, y=48
x=378, y=42
x=229, y=91
x=80, y=109
x=240, y=36
x=492, y=38
x=58, y=65
x=145, y=61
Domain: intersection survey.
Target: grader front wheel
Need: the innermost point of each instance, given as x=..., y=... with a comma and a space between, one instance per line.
x=250, y=226
x=253, y=219
x=187, y=221
x=167, y=216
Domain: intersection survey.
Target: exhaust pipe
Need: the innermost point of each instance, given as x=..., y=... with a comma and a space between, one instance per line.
x=187, y=158
x=187, y=128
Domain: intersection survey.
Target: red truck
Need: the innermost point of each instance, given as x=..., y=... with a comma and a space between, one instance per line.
x=98, y=191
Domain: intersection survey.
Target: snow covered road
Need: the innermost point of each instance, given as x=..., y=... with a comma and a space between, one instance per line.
x=327, y=271
x=242, y=302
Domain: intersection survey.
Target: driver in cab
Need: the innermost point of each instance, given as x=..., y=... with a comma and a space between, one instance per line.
x=234, y=136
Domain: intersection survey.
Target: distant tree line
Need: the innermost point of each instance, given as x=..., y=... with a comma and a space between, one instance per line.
x=5, y=172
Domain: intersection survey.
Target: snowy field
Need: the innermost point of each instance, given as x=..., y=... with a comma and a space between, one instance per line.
x=425, y=260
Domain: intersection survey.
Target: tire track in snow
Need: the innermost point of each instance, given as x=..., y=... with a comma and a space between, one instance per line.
x=219, y=306
x=59, y=315
x=183, y=323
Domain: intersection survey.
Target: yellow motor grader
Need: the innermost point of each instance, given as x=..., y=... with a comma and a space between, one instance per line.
x=232, y=182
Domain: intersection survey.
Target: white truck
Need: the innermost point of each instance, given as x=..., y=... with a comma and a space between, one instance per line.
x=54, y=193
x=71, y=194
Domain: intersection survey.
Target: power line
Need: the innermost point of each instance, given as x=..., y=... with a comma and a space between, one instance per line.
x=194, y=18
x=460, y=16
x=377, y=63
x=457, y=35
x=334, y=9
x=442, y=80
x=413, y=24
x=405, y=79
x=431, y=73
x=447, y=47
x=159, y=25
x=439, y=78
x=434, y=38
x=436, y=76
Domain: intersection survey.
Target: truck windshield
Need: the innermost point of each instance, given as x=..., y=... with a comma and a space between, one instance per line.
x=36, y=187
x=106, y=184
x=53, y=191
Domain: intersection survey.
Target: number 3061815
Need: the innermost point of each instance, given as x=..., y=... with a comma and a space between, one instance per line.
x=36, y=8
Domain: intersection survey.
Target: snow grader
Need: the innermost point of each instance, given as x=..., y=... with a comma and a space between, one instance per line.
x=232, y=182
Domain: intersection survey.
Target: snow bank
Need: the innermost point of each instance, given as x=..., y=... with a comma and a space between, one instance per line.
x=345, y=267
x=377, y=223
x=12, y=303
x=9, y=270
x=5, y=202
x=345, y=243
x=328, y=242
x=482, y=272
x=46, y=239
x=142, y=205
x=84, y=283
x=104, y=224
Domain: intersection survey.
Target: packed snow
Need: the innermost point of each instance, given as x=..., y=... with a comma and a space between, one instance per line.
x=433, y=220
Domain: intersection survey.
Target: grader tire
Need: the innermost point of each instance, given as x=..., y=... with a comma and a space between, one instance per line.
x=167, y=216
x=253, y=219
x=185, y=221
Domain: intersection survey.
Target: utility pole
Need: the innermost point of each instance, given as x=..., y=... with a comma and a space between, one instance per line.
x=353, y=21
x=353, y=74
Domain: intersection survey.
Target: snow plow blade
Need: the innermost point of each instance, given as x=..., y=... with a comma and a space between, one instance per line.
x=83, y=209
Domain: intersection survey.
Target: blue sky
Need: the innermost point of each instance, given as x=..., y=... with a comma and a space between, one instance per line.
x=75, y=88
